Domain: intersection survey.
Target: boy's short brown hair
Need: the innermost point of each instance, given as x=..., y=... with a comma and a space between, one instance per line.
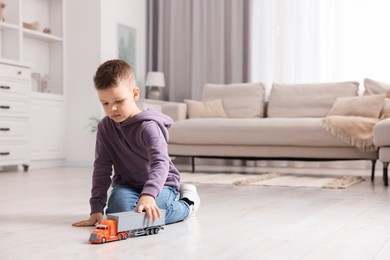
x=110, y=72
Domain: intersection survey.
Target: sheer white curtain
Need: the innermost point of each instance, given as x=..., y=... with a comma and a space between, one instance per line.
x=295, y=41
x=303, y=41
x=367, y=39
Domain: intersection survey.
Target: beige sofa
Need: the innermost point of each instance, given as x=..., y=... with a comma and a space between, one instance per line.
x=235, y=121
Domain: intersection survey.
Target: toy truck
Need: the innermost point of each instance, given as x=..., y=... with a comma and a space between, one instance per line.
x=123, y=225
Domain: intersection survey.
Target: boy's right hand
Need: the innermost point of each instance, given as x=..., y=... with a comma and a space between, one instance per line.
x=93, y=219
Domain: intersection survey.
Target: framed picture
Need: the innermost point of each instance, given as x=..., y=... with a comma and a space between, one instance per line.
x=126, y=45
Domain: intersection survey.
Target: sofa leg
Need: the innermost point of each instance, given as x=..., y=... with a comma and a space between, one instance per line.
x=385, y=171
x=373, y=162
x=193, y=164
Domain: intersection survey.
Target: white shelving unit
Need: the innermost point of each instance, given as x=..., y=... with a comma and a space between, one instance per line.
x=32, y=33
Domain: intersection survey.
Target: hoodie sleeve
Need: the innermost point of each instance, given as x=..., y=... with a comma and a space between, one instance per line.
x=101, y=179
x=157, y=149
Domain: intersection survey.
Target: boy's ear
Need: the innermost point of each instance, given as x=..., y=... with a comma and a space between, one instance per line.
x=136, y=93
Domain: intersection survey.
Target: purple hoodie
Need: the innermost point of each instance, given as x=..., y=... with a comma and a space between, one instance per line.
x=137, y=150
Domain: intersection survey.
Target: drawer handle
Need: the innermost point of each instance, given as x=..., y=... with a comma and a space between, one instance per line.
x=5, y=107
x=5, y=153
x=5, y=87
x=5, y=129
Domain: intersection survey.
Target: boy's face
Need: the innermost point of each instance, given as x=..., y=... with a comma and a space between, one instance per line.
x=119, y=101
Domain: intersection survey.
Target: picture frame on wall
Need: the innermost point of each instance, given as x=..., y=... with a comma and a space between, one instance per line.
x=127, y=45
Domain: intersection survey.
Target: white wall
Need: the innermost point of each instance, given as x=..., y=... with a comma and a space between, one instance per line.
x=90, y=40
x=126, y=12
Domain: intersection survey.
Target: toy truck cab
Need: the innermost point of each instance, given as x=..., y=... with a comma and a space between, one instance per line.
x=106, y=231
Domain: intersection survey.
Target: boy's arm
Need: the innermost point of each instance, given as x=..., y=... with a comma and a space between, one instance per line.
x=101, y=179
x=157, y=149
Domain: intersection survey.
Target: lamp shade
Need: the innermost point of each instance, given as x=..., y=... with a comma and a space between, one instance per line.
x=155, y=79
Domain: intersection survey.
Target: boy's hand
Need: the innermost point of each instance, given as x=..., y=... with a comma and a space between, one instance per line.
x=93, y=219
x=148, y=204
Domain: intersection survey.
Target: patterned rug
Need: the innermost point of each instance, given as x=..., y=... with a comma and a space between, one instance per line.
x=272, y=179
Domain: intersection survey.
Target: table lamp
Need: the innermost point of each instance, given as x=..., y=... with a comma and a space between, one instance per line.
x=155, y=80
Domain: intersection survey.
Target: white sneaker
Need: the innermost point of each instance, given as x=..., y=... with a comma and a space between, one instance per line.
x=189, y=191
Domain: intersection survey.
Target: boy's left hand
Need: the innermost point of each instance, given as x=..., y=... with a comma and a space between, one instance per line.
x=148, y=204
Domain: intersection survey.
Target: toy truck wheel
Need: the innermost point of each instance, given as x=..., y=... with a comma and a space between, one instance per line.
x=120, y=237
x=126, y=236
x=147, y=232
x=156, y=230
x=103, y=240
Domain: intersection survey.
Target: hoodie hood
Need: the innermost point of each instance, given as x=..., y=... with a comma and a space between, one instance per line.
x=163, y=121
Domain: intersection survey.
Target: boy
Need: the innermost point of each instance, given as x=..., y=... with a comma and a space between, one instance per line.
x=133, y=142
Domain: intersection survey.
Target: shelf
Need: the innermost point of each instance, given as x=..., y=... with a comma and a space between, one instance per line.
x=41, y=36
x=8, y=26
x=14, y=63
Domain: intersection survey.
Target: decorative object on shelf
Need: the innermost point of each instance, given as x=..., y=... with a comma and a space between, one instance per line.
x=2, y=7
x=47, y=30
x=31, y=26
x=155, y=80
x=36, y=81
x=46, y=84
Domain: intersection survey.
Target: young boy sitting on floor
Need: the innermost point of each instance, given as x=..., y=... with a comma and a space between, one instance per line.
x=133, y=143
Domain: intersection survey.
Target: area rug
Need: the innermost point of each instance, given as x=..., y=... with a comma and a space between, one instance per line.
x=272, y=179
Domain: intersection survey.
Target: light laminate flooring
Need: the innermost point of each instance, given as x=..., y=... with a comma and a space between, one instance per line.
x=252, y=222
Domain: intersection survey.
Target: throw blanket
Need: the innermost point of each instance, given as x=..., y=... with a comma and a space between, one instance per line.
x=354, y=130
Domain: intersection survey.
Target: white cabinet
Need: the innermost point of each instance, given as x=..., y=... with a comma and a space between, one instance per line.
x=14, y=114
x=48, y=124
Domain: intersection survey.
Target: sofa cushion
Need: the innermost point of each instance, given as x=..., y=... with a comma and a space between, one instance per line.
x=373, y=87
x=244, y=100
x=208, y=109
x=253, y=132
x=307, y=100
x=365, y=106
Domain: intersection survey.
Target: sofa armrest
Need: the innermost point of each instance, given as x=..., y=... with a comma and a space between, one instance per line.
x=176, y=110
x=381, y=133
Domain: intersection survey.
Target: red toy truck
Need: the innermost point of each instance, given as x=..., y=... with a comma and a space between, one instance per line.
x=123, y=225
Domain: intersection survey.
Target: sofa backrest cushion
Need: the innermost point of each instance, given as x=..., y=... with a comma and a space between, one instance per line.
x=207, y=109
x=245, y=100
x=373, y=87
x=307, y=100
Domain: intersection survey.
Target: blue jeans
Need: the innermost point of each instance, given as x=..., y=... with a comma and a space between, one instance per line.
x=125, y=198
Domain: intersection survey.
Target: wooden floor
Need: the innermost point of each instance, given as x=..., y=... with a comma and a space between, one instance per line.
x=38, y=207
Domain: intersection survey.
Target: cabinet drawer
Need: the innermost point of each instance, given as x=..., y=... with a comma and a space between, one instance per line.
x=13, y=107
x=13, y=129
x=14, y=72
x=12, y=87
x=15, y=152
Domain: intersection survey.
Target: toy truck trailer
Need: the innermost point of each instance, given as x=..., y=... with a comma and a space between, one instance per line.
x=123, y=225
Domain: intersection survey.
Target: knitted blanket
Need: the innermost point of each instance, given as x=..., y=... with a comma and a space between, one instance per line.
x=354, y=130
